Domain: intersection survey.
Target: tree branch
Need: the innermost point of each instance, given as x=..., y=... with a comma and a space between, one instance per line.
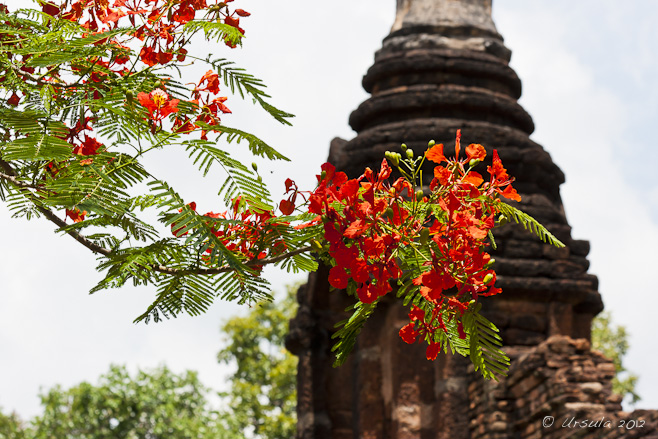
x=7, y=167
x=9, y=175
x=27, y=76
x=252, y=263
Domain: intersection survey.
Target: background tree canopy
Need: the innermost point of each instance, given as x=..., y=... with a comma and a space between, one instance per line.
x=151, y=404
x=612, y=340
x=263, y=393
x=154, y=404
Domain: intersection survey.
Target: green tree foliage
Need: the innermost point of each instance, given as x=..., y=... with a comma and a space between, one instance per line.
x=612, y=341
x=160, y=404
x=79, y=113
x=263, y=395
x=11, y=427
x=154, y=405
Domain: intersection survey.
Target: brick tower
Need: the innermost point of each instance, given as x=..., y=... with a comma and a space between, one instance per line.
x=445, y=67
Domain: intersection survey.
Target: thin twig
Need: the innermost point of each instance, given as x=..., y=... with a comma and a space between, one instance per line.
x=253, y=262
x=25, y=75
x=13, y=180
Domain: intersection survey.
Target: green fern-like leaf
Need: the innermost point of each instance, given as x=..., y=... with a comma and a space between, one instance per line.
x=27, y=122
x=257, y=146
x=350, y=329
x=240, y=181
x=21, y=206
x=215, y=31
x=198, y=228
x=484, y=345
x=450, y=340
x=133, y=227
x=134, y=263
x=246, y=84
x=190, y=294
x=194, y=294
x=96, y=37
x=529, y=223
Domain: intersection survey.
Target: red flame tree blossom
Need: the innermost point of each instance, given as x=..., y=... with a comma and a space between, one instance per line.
x=89, y=87
x=430, y=242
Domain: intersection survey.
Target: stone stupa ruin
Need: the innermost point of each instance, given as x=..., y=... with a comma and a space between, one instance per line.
x=444, y=67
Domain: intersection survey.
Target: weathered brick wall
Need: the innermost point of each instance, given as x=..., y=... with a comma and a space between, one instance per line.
x=558, y=389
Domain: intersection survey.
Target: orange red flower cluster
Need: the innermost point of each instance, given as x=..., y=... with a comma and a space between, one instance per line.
x=158, y=22
x=76, y=215
x=158, y=104
x=209, y=105
x=362, y=240
x=158, y=28
x=249, y=232
x=418, y=327
x=374, y=229
x=287, y=207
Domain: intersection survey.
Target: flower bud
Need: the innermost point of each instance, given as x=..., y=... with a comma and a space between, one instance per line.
x=488, y=278
x=404, y=147
x=389, y=213
x=130, y=96
x=490, y=263
x=502, y=220
x=419, y=194
x=395, y=158
x=410, y=153
x=431, y=143
x=473, y=162
x=323, y=174
x=254, y=166
x=316, y=245
x=387, y=154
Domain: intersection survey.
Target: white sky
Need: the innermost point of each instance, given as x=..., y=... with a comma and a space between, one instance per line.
x=589, y=75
